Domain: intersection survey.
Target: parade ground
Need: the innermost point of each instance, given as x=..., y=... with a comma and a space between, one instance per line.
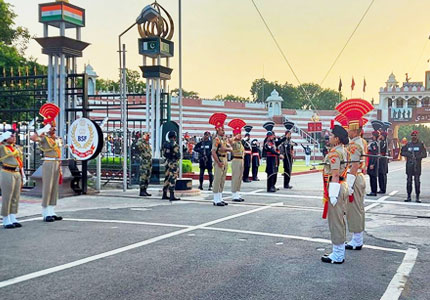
x=117, y=245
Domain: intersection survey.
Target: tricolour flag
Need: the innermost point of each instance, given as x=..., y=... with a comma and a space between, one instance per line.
x=352, y=84
x=340, y=85
x=364, y=85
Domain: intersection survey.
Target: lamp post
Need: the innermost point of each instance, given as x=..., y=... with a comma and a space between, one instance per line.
x=180, y=89
x=147, y=14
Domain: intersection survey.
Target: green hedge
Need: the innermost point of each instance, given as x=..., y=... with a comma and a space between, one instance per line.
x=187, y=166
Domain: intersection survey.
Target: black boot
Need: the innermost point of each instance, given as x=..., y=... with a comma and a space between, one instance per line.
x=144, y=193
x=409, y=198
x=172, y=196
x=210, y=187
x=201, y=187
x=165, y=197
x=418, y=199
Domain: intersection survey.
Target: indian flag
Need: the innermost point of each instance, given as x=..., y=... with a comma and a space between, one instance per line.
x=51, y=13
x=62, y=12
x=73, y=15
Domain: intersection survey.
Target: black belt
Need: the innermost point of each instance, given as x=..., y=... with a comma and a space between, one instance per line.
x=222, y=155
x=238, y=157
x=341, y=178
x=12, y=169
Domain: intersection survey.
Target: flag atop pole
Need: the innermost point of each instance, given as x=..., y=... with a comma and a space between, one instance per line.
x=340, y=85
x=352, y=84
x=364, y=85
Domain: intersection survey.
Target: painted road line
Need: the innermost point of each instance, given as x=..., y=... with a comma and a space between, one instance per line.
x=89, y=259
x=403, y=203
x=380, y=200
x=127, y=222
x=398, y=283
x=295, y=237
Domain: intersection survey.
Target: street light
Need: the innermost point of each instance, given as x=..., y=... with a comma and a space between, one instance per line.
x=148, y=14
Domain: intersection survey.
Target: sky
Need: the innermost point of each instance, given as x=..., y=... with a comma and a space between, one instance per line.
x=226, y=46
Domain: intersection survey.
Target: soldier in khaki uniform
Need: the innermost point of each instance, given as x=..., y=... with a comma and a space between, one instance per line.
x=336, y=194
x=11, y=179
x=50, y=145
x=220, y=147
x=353, y=111
x=145, y=163
x=237, y=164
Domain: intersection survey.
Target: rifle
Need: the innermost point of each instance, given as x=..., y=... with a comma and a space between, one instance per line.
x=342, y=162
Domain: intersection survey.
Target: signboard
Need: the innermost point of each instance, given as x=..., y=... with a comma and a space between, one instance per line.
x=422, y=114
x=85, y=139
x=314, y=126
x=154, y=46
x=55, y=12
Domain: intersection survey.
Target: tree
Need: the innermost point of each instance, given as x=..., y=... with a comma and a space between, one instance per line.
x=185, y=94
x=424, y=136
x=134, y=83
x=230, y=97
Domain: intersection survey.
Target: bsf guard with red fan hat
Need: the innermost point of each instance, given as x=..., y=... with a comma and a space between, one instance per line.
x=414, y=151
x=246, y=142
x=238, y=152
x=220, y=147
x=12, y=178
x=336, y=193
x=354, y=110
x=50, y=145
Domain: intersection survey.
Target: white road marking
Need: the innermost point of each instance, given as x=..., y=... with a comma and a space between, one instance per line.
x=403, y=203
x=127, y=222
x=397, y=284
x=122, y=249
x=380, y=200
x=295, y=237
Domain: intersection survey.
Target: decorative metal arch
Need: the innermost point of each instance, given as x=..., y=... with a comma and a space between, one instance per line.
x=160, y=27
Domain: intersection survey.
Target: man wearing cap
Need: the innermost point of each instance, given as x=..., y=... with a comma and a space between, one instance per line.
x=220, y=147
x=237, y=159
x=287, y=150
x=383, y=163
x=204, y=149
x=172, y=154
x=11, y=178
x=50, y=145
x=272, y=157
x=336, y=194
x=372, y=166
x=414, y=152
x=256, y=154
x=246, y=142
x=145, y=163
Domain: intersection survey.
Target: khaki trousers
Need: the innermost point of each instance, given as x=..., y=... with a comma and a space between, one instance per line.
x=10, y=183
x=50, y=177
x=355, y=209
x=336, y=221
x=236, y=174
x=219, y=176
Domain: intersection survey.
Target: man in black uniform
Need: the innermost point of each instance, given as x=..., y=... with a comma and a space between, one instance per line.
x=383, y=162
x=272, y=157
x=204, y=148
x=248, y=152
x=256, y=155
x=373, y=164
x=414, y=152
x=287, y=150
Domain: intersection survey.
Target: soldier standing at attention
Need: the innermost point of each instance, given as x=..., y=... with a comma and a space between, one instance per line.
x=336, y=194
x=220, y=147
x=204, y=149
x=354, y=110
x=256, y=154
x=145, y=163
x=414, y=152
x=172, y=155
x=237, y=162
x=287, y=150
x=373, y=164
x=383, y=162
x=11, y=178
x=50, y=145
x=272, y=157
x=248, y=152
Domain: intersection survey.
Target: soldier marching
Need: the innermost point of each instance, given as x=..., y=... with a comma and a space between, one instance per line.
x=287, y=151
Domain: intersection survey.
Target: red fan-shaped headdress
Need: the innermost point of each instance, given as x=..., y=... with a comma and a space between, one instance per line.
x=218, y=119
x=237, y=125
x=354, y=110
x=49, y=112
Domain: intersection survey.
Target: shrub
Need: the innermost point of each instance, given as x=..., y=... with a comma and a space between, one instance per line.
x=187, y=166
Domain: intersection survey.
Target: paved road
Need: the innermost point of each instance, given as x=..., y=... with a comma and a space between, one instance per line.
x=118, y=246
